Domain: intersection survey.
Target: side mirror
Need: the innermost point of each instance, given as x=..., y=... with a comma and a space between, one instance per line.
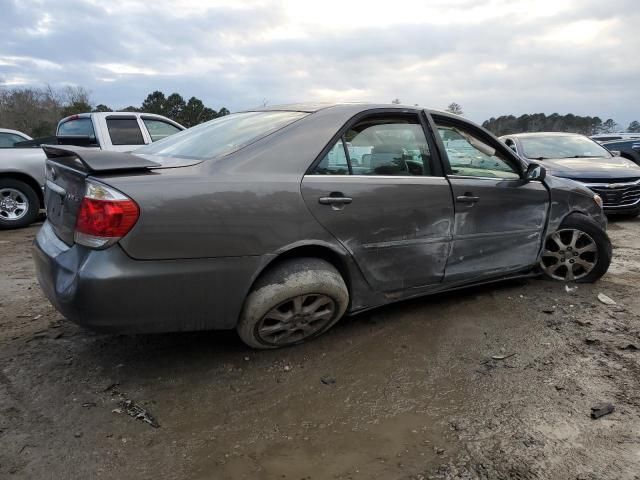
x=535, y=171
x=615, y=153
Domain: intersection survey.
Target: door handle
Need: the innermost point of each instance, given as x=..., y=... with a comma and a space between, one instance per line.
x=334, y=199
x=467, y=198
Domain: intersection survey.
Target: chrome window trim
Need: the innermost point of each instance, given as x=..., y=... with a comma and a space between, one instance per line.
x=346, y=175
x=487, y=178
x=313, y=175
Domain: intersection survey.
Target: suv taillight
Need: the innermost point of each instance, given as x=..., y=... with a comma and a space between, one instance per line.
x=105, y=216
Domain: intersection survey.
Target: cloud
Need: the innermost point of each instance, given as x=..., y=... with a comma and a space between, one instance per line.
x=492, y=56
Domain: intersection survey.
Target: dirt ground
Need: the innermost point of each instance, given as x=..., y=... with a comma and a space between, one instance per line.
x=406, y=392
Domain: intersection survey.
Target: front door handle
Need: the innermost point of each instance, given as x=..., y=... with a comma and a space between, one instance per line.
x=467, y=198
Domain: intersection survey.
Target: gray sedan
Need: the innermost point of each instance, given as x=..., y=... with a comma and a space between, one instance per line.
x=280, y=221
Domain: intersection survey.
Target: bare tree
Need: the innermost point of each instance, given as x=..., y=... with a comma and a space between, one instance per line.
x=455, y=109
x=34, y=111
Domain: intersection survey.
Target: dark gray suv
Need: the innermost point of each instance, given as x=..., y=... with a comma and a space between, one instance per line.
x=279, y=221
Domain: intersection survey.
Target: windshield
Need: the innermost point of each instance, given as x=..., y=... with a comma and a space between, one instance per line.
x=561, y=146
x=220, y=136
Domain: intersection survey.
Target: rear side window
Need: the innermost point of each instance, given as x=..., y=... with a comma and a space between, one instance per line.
x=8, y=140
x=334, y=162
x=78, y=126
x=389, y=145
x=124, y=131
x=159, y=129
x=222, y=135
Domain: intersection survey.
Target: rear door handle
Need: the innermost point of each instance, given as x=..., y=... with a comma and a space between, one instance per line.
x=335, y=200
x=467, y=199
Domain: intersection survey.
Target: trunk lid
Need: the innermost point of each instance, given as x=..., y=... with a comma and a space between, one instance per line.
x=66, y=172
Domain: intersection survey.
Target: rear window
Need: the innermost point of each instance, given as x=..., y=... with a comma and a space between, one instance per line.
x=79, y=126
x=124, y=131
x=221, y=136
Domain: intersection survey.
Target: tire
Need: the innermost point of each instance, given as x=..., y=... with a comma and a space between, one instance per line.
x=591, y=247
x=296, y=300
x=13, y=194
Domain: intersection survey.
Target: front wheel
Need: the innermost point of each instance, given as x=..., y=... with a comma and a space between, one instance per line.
x=579, y=251
x=294, y=301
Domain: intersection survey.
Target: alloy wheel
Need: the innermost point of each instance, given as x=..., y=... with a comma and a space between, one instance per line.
x=569, y=255
x=296, y=319
x=13, y=204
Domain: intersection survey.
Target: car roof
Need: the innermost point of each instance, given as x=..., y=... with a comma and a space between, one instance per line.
x=118, y=114
x=311, y=107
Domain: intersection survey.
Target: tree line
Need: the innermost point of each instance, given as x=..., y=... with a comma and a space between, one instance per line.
x=36, y=111
x=539, y=122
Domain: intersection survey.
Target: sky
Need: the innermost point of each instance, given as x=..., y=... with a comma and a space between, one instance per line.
x=493, y=57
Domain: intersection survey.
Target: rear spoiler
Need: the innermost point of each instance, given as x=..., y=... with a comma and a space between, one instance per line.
x=94, y=160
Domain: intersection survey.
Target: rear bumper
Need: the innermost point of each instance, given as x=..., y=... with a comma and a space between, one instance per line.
x=109, y=291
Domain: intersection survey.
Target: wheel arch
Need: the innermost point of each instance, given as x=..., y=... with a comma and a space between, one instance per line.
x=29, y=180
x=360, y=292
x=322, y=250
x=573, y=213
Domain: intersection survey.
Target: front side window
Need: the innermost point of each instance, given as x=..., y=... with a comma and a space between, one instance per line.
x=79, y=126
x=221, y=136
x=469, y=156
x=159, y=129
x=380, y=145
x=124, y=131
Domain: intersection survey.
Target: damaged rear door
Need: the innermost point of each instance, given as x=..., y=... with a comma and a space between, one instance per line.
x=378, y=190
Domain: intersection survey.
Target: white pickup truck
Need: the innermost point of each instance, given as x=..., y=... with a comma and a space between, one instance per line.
x=22, y=169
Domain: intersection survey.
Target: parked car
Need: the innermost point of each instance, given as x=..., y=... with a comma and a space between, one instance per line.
x=604, y=137
x=629, y=149
x=8, y=138
x=22, y=170
x=569, y=155
x=279, y=221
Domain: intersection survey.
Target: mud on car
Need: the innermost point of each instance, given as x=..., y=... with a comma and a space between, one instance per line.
x=278, y=222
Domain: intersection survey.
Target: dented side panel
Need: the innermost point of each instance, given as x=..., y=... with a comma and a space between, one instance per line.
x=398, y=229
x=501, y=232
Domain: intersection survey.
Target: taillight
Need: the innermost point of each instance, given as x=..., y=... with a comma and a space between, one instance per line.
x=105, y=216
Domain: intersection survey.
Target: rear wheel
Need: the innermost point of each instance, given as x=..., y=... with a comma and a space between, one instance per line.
x=294, y=301
x=579, y=251
x=19, y=204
